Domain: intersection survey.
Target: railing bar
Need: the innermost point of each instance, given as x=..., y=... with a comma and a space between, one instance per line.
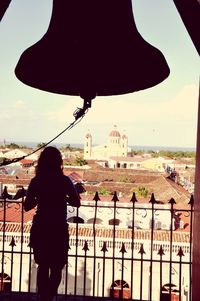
x=159, y=242
x=170, y=249
x=67, y=261
x=103, y=277
x=85, y=269
x=141, y=276
x=160, y=208
x=21, y=246
x=128, y=207
x=122, y=275
x=180, y=279
x=17, y=252
x=113, y=256
x=98, y=278
x=11, y=267
x=116, y=258
x=76, y=254
x=132, y=246
x=135, y=259
x=161, y=273
x=94, y=247
x=3, y=247
x=151, y=252
x=29, y=272
x=190, y=267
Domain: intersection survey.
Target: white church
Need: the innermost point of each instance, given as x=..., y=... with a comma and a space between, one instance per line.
x=117, y=146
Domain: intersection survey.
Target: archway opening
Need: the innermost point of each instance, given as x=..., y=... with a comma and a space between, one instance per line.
x=5, y=282
x=76, y=220
x=120, y=290
x=165, y=292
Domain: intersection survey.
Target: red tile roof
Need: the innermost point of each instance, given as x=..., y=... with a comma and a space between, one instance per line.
x=26, y=161
x=14, y=214
x=83, y=231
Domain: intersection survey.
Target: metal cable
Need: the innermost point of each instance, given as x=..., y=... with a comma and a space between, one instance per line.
x=78, y=114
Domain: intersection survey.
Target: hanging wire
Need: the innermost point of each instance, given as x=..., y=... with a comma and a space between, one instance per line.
x=78, y=114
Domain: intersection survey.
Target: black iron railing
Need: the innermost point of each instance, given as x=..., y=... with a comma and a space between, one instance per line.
x=116, y=250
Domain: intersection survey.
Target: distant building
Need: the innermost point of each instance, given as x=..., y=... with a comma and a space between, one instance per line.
x=18, y=153
x=140, y=163
x=117, y=146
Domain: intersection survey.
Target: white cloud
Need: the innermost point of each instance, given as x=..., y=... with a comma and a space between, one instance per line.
x=124, y=109
x=19, y=104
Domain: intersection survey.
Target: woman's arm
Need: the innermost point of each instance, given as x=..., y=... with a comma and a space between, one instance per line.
x=30, y=200
x=73, y=196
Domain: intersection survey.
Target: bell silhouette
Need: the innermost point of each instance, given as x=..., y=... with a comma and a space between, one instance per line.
x=92, y=47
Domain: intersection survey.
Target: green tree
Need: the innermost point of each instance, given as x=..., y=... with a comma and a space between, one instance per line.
x=154, y=154
x=103, y=191
x=12, y=145
x=80, y=161
x=41, y=144
x=137, y=152
x=124, y=179
x=173, y=154
x=142, y=191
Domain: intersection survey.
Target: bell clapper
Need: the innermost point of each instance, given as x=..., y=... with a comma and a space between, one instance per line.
x=80, y=112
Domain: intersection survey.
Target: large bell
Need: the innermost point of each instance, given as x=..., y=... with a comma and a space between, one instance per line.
x=92, y=47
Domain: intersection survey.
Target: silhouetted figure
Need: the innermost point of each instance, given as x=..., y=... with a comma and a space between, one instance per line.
x=49, y=190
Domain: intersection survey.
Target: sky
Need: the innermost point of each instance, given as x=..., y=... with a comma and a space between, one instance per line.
x=164, y=115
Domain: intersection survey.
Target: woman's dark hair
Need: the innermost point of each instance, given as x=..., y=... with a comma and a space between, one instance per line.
x=50, y=162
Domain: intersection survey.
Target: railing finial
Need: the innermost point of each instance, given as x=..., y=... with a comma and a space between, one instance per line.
x=104, y=248
x=12, y=243
x=180, y=252
x=96, y=197
x=123, y=249
x=115, y=198
x=152, y=199
x=191, y=202
x=5, y=194
x=172, y=201
x=161, y=251
x=133, y=199
x=85, y=248
x=142, y=251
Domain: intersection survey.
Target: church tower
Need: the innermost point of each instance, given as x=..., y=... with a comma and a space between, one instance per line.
x=124, y=145
x=88, y=146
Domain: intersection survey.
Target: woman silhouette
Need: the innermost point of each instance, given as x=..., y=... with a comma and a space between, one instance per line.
x=49, y=190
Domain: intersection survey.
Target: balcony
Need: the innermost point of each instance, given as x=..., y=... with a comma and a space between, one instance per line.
x=117, y=250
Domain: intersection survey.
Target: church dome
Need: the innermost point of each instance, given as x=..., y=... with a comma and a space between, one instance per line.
x=114, y=133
